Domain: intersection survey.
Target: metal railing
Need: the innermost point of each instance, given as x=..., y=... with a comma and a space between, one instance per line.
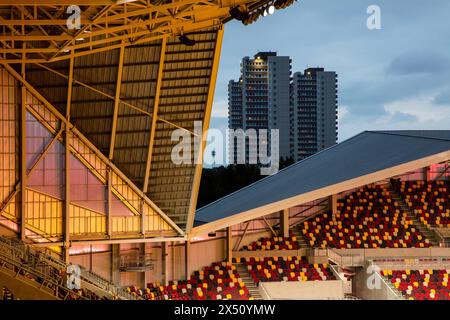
x=384, y=280
x=32, y=257
x=400, y=263
x=36, y=274
x=443, y=235
x=345, y=260
x=135, y=261
x=395, y=292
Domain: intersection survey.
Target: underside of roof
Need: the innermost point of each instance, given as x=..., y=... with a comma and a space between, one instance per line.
x=127, y=74
x=123, y=131
x=368, y=157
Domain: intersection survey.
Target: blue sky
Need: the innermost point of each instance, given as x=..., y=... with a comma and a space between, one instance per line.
x=394, y=78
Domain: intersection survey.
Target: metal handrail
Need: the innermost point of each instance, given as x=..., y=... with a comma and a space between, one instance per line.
x=336, y=273
x=413, y=262
x=395, y=292
x=41, y=278
x=18, y=248
x=341, y=259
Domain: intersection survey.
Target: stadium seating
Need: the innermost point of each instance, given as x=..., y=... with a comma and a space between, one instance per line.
x=428, y=200
x=7, y=294
x=269, y=269
x=420, y=284
x=220, y=281
x=367, y=218
x=274, y=243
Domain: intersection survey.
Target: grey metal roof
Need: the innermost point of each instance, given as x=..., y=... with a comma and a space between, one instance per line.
x=365, y=153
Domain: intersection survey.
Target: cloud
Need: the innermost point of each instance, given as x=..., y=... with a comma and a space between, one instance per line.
x=443, y=98
x=397, y=117
x=384, y=75
x=411, y=63
x=423, y=109
x=418, y=112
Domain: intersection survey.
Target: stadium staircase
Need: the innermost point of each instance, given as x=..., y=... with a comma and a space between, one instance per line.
x=41, y=270
x=248, y=281
x=300, y=239
x=393, y=288
x=422, y=228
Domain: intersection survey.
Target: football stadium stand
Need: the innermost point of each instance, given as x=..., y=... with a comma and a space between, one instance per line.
x=429, y=200
x=366, y=218
x=285, y=269
x=87, y=178
x=426, y=284
x=220, y=281
x=274, y=243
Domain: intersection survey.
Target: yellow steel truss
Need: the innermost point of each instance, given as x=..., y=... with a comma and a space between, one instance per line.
x=105, y=25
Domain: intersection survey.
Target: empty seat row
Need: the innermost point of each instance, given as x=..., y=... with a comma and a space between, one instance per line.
x=429, y=200
x=426, y=284
x=220, y=281
x=274, y=243
x=366, y=218
x=269, y=269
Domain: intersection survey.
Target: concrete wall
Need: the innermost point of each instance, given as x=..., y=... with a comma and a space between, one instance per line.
x=101, y=263
x=362, y=290
x=302, y=290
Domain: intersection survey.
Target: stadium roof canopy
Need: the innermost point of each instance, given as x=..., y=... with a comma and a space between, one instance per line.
x=368, y=157
x=126, y=77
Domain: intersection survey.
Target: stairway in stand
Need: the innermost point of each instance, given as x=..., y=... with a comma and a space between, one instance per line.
x=248, y=281
x=300, y=239
x=394, y=289
x=423, y=229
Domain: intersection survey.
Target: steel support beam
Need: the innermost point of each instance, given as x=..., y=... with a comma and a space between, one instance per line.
x=18, y=186
x=284, y=222
x=229, y=244
x=164, y=269
x=45, y=151
x=80, y=136
x=78, y=82
x=112, y=241
x=269, y=226
x=23, y=156
x=115, y=264
x=108, y=205
x=142, y=274
x=187, y=260
x=67, y=137
x=332, y=199
x=116, y=103
x=206, y=121
x=426, y=173
x=155, y=114
x=241, y=237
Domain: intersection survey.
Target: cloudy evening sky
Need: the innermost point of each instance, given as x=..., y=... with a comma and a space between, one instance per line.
x=394, y=78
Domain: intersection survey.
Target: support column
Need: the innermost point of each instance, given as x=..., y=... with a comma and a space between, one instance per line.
x=284, y=222
x=90, y=259
x=164, y=271
x=66, y=213
x=333, y=205
x=426, y=173
x=23, y=157
x=115, y=264
x=187, y=253
x=142, y=275
x=108, y=206
x=229, y=244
